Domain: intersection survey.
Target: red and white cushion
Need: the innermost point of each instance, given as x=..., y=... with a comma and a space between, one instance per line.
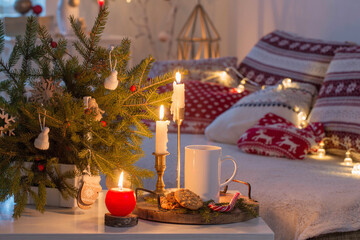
x=338, y=103
x=274, y=136
x=280, y=55
x=205, y=70
x=287, y=103
x=203, y=103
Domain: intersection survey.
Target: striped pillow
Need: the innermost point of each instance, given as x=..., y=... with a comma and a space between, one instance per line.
x=281, y=55
x=338, y=103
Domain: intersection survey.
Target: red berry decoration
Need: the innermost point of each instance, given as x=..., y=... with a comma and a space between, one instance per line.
x=53, y=44
x=87, y=111
x=41, y=167
x=133, y=88
x=103, y=123
x=37, y=9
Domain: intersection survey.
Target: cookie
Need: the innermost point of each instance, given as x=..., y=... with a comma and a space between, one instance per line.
x=169, y=202
x=188, y=199
x=165, y=204
x=171, y=199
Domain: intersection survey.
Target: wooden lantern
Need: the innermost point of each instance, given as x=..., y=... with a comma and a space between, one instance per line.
x=198, y=38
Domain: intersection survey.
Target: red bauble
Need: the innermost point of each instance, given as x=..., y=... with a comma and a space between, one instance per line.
x=120, y=202
x=40, y=167
x=103, y=123
x=37, y=9
x=133, y=88
x=53, y=44
x=87, y=111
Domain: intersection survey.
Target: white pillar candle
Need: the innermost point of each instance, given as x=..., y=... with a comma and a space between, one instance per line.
x=178, y=97
x=161, y=136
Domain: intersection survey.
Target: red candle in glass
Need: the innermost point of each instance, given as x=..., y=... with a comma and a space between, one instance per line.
x=120, y=201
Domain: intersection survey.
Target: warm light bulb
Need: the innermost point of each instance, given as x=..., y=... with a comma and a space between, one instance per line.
x=128, y=1
x=243, y=81
x=178, y=77
x=356, y=169
x=348, y=160
x=101, y=2
x=161, y=112
x=321, y=152
x=121, y=180
x=223, y=75
x=302, y=116
x=240, y=88
x=286, y=82
x=279, y=87
x=263, y=87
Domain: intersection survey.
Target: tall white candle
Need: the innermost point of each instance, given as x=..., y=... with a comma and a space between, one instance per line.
x=161, y=136
x=178, y=97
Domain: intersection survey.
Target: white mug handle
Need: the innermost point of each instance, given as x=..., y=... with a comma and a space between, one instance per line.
x=235, y=165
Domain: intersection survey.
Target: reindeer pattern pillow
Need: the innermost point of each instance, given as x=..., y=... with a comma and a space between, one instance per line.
x=274, y=136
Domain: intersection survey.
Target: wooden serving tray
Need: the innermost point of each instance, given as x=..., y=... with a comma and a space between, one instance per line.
x=151, y=211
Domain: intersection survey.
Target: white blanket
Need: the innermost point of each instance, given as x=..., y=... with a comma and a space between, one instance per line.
x=298, y=199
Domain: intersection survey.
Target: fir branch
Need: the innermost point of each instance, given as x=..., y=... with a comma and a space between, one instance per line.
x=2, y=36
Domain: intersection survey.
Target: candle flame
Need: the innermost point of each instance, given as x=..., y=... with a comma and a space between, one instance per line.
x=121, y=180
x=178, y=77
x=161, y=112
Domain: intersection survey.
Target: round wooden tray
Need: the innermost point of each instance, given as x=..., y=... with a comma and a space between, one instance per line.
x=151, y=211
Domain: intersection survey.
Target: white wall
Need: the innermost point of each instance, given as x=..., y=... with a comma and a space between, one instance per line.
x=325, y=19
x=240, y=22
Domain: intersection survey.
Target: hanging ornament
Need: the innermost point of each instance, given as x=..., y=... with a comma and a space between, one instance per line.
x=133, y=88
x=53, y=44
x=41, y=167
x=89, y=190
x=91, y=107
x=44, y=90
x=22, y=6
x=42, y=141
x=5, y=123
x=103, y=123
x=111, y=81
x=74, y=3
x=163, y=36
x=37, y=9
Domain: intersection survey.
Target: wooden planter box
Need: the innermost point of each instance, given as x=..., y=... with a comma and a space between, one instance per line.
x=53, y=196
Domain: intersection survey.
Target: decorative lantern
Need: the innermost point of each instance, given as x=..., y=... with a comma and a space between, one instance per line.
x=198, y=38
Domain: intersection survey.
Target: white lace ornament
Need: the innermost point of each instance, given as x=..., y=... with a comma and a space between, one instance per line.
x=111, y=81
x=42, y=141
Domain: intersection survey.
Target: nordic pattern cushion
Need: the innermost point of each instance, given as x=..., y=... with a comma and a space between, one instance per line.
x=247, y=112
x=203, y=103
x=338, y=103
x=274, y=136
x=280, y=55
x=205, y=70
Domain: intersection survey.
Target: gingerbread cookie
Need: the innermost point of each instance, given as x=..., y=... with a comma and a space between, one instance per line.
x=188, y=199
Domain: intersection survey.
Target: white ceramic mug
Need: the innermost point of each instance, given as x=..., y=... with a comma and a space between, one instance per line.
x=203, y=170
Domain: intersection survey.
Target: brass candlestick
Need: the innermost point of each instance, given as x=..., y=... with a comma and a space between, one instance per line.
x=160, y=166
x=179, y=120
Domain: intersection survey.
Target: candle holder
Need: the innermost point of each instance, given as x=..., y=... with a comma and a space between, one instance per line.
x=160, y=166
x=181, y=115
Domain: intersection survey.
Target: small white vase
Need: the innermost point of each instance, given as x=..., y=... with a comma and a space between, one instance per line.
x=64, y=11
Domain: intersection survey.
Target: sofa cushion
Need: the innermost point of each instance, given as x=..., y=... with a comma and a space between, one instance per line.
x=286, y=102
x=203, y=103
x=205, y=70
x=281, y=55
x=275, y=136
x=338, y=103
